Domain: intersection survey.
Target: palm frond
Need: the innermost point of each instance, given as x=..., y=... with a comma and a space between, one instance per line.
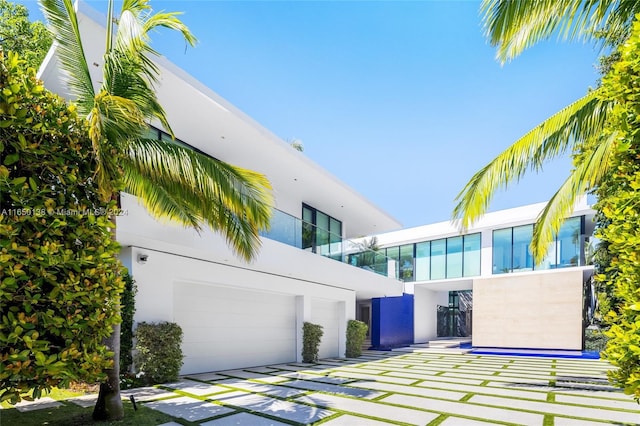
x=585, y=176
x=515, y=25
x=63, y=24
x=582, y=120
x=233, y=201
x=131, y=71
x=110, y=118
x=153, y=195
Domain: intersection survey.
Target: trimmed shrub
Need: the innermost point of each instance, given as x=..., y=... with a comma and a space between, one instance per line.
x=127, y=310
x=356, y=334
x=159, y=352
x=311, y=336
x=594, y=340
x=60, y=277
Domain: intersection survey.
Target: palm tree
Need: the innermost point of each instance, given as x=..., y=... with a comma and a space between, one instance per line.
x=173, y=182
x=512, y=26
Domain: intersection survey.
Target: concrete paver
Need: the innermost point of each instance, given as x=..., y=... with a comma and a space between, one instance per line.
x=276, y=407
x=206, y=377
x=279, y=391
x=195, y=388
x=317, y=378
x=331, y=388
x=369, y=408
x=552, y=408
x=379, y=377
x=459, y=421
x=187, y=408
x=460, y=408
x=414, y=388
x=243, y=419
x=563, y=421
x=349, y=420
x=148, y=393
x=598, y=402
x=411, y=390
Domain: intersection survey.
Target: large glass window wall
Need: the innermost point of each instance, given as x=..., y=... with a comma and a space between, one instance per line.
x=453, y=257
x=511, y=248
x=321, y=233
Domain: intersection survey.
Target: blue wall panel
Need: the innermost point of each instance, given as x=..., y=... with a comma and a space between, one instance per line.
x=392, y=321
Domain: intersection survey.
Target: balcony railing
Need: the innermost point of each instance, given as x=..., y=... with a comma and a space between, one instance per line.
x=289, y=230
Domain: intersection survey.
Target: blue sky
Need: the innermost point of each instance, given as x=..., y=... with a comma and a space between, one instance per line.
x=403, y=101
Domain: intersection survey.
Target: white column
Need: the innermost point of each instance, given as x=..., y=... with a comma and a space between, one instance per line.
x=303, y=313
x=342, y=328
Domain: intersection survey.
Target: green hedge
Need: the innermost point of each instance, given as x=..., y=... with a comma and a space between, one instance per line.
x=619, y=204
x=159, y=353
x=356, y=334
x=311, y=336
x=127, y=311
x=60, y=277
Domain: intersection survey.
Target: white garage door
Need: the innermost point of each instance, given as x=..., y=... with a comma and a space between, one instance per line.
x=327, y=314
x=228, y=328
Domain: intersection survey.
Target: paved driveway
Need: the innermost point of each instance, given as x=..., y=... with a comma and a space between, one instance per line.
x=419, y=388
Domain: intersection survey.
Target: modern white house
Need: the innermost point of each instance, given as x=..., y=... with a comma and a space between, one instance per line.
x=482, y=282
x=236, y=314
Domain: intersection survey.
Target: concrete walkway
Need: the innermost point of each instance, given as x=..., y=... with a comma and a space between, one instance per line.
x=382, y=388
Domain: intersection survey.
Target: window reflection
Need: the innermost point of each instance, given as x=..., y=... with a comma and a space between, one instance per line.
x=511, y=248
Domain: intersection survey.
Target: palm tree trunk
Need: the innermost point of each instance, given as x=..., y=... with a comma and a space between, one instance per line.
x=109, y=405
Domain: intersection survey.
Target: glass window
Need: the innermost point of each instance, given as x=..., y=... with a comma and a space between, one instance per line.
x=406, y=262
x=569, y=241
x=438, y=259
x=335, y=237
x=502, y=251
x=522, y=258
x=471, y=260
x=454, y=257
x=321, y=233
x=152, y=133
x=308, y=233
x=423, y=261
x=393, y=255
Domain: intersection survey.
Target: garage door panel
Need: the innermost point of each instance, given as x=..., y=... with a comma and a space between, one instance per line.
x=327, y=314
x=226, y=327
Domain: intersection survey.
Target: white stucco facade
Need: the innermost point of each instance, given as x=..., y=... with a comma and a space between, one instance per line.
x=526, y=308
x=237, y=314
x=233, y=313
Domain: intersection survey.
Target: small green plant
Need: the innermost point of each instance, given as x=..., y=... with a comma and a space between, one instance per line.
x=356, y=333
x=159, y=356
x=594, y=340
x=311, y=336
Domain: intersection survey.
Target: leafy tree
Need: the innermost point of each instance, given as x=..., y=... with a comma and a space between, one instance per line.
x=59, y=273
x=172, y=181
x=619, y=204
x=17, y=34
x=513, y=26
